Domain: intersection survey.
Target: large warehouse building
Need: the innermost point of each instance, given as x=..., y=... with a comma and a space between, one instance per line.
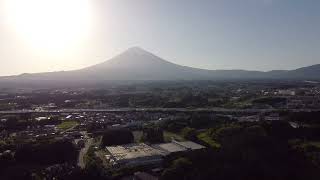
x=131, y=155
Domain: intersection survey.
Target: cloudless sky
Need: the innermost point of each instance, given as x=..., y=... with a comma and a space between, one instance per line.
x=211, y=34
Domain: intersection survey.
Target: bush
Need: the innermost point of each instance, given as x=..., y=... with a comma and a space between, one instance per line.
x=179, y=169
x=189, y=133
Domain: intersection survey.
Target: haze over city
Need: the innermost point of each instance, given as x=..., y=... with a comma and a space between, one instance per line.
x=220, y=34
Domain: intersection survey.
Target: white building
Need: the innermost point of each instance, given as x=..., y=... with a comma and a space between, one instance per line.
x=131, y=155
x=287, y=92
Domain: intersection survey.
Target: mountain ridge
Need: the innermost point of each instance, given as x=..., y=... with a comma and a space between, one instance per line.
x=138, y=64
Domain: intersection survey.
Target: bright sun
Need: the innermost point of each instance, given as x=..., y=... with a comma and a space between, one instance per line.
x=50, y=25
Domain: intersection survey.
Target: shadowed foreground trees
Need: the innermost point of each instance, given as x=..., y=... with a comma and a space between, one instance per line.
x=152, y=135
x=117, y=137
x=47, y=153
x=247, y=152
x=33, y=158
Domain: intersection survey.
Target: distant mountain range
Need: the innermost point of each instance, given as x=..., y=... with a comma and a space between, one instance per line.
x=138, y=64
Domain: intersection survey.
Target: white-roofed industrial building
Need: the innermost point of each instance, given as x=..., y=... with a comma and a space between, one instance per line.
x=131, y=155
x=176, y=146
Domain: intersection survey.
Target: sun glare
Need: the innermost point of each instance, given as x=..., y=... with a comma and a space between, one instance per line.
x=50, y=25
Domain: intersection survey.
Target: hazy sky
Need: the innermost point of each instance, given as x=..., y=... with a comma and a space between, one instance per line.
x=211, y=34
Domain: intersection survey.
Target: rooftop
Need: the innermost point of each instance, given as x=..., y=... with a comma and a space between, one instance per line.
x=132, y=151
x=176, y=146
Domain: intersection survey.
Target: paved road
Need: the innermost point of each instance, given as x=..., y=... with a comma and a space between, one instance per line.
x=70, y=129
x=83, y=152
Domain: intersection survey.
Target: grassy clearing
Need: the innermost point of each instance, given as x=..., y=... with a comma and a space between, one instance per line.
x=207, y=139
x=67, y=125
x=317, y=144
x=169, y=135
x=313, y=143
x=166, y=135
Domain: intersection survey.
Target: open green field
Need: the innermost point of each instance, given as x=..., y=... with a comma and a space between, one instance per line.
x=67, y=125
